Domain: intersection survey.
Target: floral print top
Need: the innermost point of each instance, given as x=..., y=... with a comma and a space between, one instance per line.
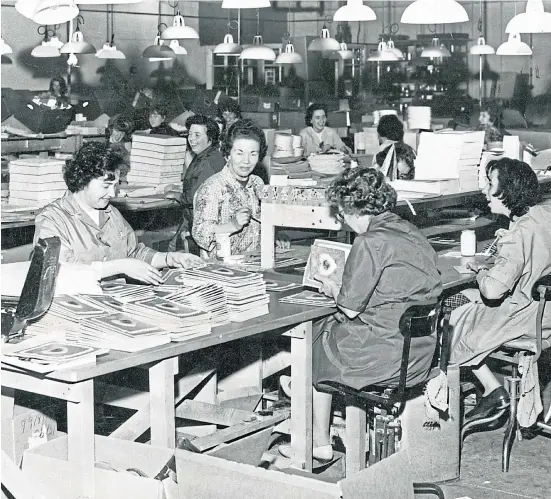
x=216, y=202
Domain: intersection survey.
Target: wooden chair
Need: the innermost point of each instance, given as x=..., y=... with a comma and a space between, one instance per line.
x=419, y=320
x=509, y=353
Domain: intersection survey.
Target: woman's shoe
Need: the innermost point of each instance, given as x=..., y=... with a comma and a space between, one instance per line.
x=322, y=455
x=285, y=385
x=495, y=401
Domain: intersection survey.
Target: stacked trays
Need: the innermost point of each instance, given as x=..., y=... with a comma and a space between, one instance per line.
x=36, y=181
x=156, y=159
x=328, y=164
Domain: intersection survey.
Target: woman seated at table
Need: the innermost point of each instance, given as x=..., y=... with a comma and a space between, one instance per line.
x=317, y=138
x=157, y=120
x=397, y=162
x=93, y=232
x=56, y=96
x=119, y=135
x=502, y=310
x=391, y=133
x=390, y=266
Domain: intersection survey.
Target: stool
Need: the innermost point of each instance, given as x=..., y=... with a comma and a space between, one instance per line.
x=420, y=319
x=509, y=353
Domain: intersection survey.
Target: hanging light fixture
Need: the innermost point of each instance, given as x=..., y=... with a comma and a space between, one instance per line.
x=245, y=4
x=49, y=46
x=158, y=51
x=258, y=50
x=179, y=30
x=396, y=51
x=345, y=53
x=227, y=47
x=324, y=42
x=383, y=54
x=434, y=12
x=436, y=49
x=47, y=11
x=481, y=48
x=534, y=20
x=514, y=46
x=177, y=48
x=109, y=50
x=289, y=56
x=77, y=45
x=5, y=48
x=355, y=10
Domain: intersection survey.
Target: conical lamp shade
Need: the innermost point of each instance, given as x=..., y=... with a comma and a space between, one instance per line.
x=355, y=10
x=534, y=20
x=178, y=49
x=324, y=42
x=46, y=49
x=344, y=53
x=514, y=46
x=6, y=49
x=434, y=12
x=392, y=48
x=55, y=11
x=228, y=47
x=158, y=51
x=289, y=56
x=109, y=51
x=77, y=45
x=481, y=48
x=179, y=30
x=258, y=51
x=383, y=54
x=435, y=50
x=245, y=4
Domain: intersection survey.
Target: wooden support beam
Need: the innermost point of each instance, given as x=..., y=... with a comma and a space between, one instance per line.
x=211, y=413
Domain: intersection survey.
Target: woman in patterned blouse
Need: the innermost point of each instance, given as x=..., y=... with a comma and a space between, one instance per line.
x=229, y=201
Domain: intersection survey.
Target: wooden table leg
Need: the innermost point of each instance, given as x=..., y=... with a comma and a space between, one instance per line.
x=301, y=401
x=267, y=237
x=8, y=395
x=80, y=428
x=162, y=410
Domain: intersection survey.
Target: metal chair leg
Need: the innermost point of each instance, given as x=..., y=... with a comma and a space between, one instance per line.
x=509, y=437
x=480, y=422
x=428, y=488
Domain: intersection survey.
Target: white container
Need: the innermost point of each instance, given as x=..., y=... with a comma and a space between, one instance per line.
x=468, y=243
x=223, y=246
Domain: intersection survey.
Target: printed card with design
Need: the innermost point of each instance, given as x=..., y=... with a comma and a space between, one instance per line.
x=327, y=260
x=122, y=324
x=162, y=306
x=308, y=297
x=278, y=286
x=54, y=352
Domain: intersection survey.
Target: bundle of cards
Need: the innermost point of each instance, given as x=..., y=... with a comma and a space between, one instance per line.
x=277, y=286
x=127, y=292
x=245, y=291
x=119, y=332
x=209, y=298
x=181, y=321
x=310, y=298
x=74, y=308
x=327, y=260
x=43, y=356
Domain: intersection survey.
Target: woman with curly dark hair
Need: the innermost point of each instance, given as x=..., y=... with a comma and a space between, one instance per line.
x=395, y=158
x=229, y=201
x=317, y=137
x=119, y=135
x=390, y=265
x=502, y=309
x=93, y=232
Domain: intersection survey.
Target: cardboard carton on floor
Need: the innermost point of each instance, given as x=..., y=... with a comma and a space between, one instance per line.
x=48, y=465
x=23, y=424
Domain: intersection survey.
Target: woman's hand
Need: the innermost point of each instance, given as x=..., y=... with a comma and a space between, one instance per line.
x=139, y=270
x=185, y=260
x=328, y=287
x=500, y=233
x=241, y=218
x=475, y=267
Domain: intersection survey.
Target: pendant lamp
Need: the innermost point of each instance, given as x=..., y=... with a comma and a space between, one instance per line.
x=55, y=11
x=177, y=48
x=345, y=53
x=5, y=48
x=158, y=51
x=77, y=45
x=434, y=12
x=392, y=48
x=383, y=54
x=245, y=4
x=109, y=50
x=227, y=47
x=258, y=51
x=534, y=20
x=179, y=30
x=481, y=48
x=289, y=56
x=514, y=46
x=104, y=2
x=49, y=47
x=436, y=49
x=355, y=10
x=324, y=42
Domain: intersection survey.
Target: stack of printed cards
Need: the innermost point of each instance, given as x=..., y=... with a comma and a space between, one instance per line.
x=127, y=293
x=209, y=298
x=119, y=332
x=277, y=286
x=310, y=298
x=245, y=291
x=46, y=355
x=327, y=260
x=182, y=322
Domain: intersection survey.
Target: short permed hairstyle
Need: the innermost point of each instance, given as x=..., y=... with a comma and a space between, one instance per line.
x=213, y=131
x=62, y=85
x=159, y=108
x=361, y=191
x=245, y=129
x=391, y=127
x=403, y=153
x=92, y=160
x=310, y=111
x=231, y=106
x=518, y=186
x=122, y=123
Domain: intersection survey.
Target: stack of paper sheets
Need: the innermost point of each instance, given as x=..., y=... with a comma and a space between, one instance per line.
x=245, y=291
x=309, y=298
x=450, y=155
x=127, y=293
x=156, y=159
x=36, y=181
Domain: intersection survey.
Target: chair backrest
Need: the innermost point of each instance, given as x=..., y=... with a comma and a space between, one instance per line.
x=541, y=291
x=543, y=284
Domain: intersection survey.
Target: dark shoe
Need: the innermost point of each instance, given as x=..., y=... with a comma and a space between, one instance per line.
x=495, y=401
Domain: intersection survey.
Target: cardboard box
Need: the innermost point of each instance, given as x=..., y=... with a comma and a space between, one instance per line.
x=49, y=466
x=258, y=104
x=293, y=120
x=291, y=103
x=263, y=120
x=22, y=425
